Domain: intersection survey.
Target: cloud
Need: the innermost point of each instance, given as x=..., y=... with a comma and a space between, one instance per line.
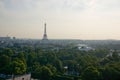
x=34, y=8
x=59, y=5
x=107, y=5
x=68, y=14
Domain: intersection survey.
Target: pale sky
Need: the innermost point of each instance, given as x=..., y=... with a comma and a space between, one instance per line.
x=66, y=19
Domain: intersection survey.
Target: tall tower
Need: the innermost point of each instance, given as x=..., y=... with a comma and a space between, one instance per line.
x=45, y=33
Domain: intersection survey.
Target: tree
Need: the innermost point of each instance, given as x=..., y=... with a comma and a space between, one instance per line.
x=70, y=64
x=4, y=60
x=35, y=70
x=86, y=61
x=8, y=52
x=45, y=73
x=30, y=59
x=115, y=56
x=111, y=71
x=91, y=73
x=58, y=64
x=17, y=67
x=52, y=68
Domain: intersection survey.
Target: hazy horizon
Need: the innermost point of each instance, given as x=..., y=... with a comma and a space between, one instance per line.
x=66, y=19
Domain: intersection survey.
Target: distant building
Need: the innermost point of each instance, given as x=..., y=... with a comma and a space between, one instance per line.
x=4, y=38
x=14, y=38
x=113, y=52
x=83, y=47
x=20, y=77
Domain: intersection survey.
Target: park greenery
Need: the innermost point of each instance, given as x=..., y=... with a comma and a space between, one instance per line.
x=63, y=64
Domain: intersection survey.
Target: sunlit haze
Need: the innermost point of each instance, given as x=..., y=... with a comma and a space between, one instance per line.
x=66, y=19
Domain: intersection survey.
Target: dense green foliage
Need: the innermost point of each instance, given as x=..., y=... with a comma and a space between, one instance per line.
x=50, y=64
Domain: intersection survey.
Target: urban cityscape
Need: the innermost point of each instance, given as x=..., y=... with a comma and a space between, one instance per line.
x=59, y=40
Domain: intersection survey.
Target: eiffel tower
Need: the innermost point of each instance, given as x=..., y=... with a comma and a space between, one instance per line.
x=45, y=33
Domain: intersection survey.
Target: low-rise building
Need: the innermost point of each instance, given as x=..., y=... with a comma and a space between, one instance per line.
x=18, y=77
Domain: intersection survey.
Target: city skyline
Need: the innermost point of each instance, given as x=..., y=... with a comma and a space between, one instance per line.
x=66, y=19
